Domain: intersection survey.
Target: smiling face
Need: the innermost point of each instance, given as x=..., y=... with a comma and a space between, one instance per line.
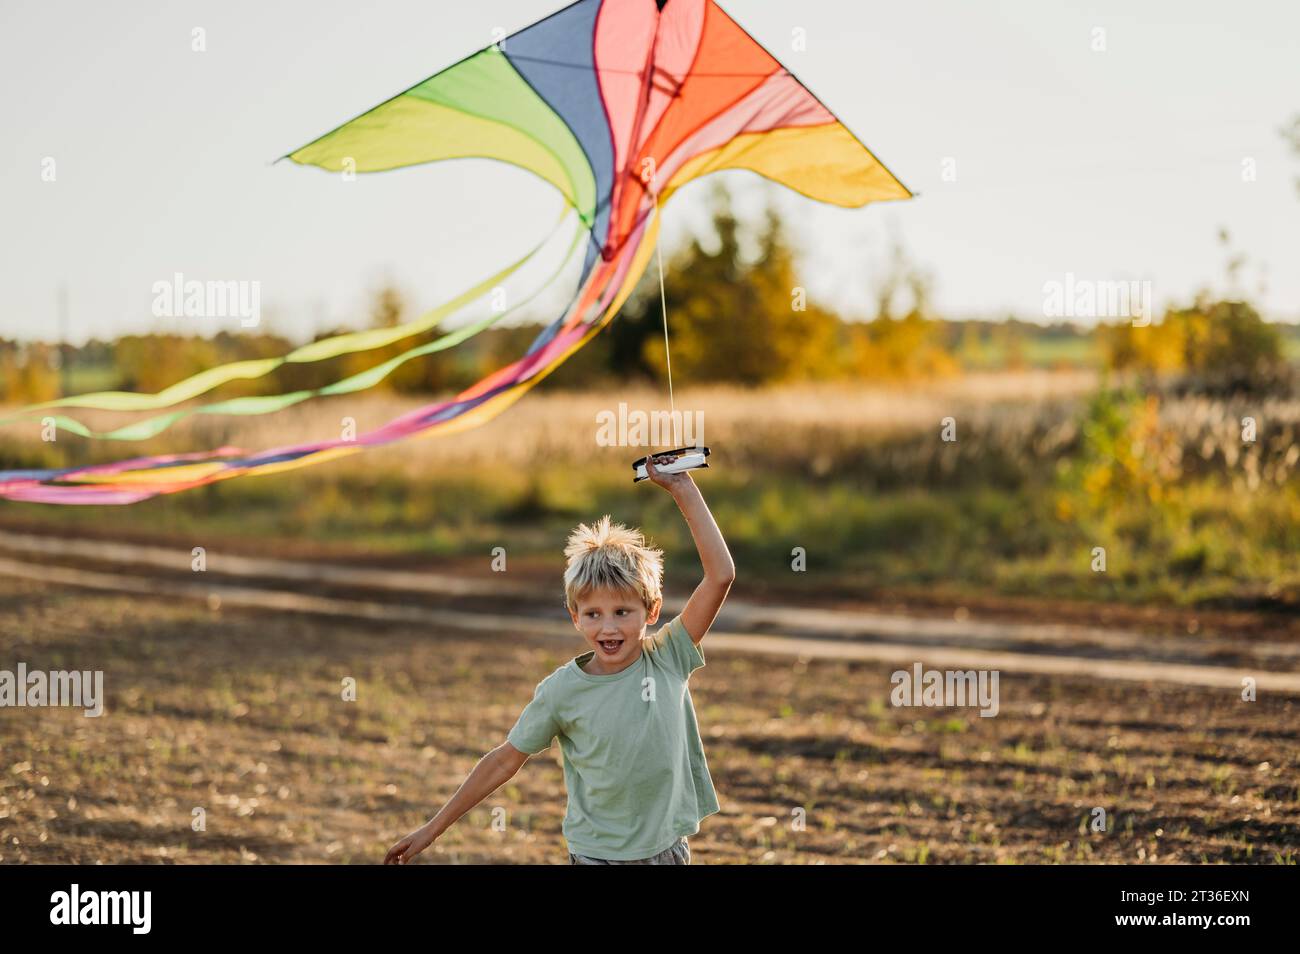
x=613, y=623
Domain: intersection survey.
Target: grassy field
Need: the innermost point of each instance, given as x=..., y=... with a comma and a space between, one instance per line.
x=1041, y=473
x=241, y=715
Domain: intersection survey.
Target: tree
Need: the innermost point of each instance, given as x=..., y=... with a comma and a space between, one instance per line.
x=1216, y=346
x=897, y=343
x=730, y=319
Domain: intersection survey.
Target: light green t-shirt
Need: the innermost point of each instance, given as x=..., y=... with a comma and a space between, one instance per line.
x=633, y=761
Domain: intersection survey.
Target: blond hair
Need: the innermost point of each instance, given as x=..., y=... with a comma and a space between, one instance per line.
x=611, y=556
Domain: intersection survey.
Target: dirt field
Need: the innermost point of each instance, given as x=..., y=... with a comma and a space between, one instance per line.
x=241, y=714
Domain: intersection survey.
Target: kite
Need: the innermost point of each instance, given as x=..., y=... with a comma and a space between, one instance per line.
x=616, y=104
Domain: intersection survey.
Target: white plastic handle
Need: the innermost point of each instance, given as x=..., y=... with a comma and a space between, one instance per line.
x=685, y=462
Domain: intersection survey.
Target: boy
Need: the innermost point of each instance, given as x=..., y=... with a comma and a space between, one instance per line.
x=634, y=764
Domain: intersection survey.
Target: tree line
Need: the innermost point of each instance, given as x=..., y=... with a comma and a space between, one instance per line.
x=732, y=318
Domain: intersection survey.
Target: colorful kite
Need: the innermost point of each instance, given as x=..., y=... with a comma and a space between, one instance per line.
x=615, y=103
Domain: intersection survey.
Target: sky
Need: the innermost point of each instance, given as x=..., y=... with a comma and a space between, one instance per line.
x=1108, y=141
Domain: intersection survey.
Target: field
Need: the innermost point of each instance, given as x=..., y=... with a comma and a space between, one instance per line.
x=240, y=714
x=1041, y=472
x=376, y=405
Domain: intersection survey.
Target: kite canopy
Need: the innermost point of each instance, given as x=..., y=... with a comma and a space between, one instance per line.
x=616, y=104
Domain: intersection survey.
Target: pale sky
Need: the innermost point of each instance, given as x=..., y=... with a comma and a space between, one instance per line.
x=1114, y=164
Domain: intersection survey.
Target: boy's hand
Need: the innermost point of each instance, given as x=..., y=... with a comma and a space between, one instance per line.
x=410, y=846
x=669, y=482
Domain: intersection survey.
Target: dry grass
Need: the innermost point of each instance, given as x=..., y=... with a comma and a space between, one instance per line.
x=561, y=425
x=1041, y=472
x=1019, y=416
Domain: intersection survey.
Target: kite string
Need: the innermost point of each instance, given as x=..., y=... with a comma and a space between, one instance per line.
x=647, y=84
x=663, y=304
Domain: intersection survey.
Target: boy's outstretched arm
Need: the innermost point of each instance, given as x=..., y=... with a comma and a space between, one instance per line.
x=491, y=772
x=719, y=569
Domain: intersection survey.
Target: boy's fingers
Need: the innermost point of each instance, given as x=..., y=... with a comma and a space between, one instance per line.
x=394, y=852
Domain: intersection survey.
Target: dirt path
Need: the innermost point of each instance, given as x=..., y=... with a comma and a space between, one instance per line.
x=394, y=596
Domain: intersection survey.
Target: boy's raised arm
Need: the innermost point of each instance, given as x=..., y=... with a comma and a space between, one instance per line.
x=719, y=569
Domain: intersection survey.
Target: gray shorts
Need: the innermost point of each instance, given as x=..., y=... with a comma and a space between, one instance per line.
x=678, y=854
